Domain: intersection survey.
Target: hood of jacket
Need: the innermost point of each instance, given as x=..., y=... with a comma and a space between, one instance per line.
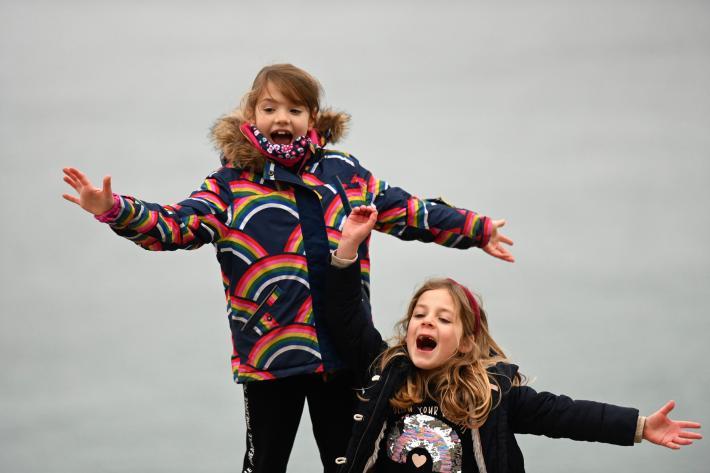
x=237, y=151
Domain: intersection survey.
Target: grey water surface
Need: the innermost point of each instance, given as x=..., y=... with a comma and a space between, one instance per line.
x=585, y=124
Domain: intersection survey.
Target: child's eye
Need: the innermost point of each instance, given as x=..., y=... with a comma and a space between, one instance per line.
x=444, y=320
x=417, y=316
x=268, y=109
x=296, y=111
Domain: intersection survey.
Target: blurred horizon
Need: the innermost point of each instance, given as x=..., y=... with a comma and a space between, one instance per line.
x=584, y=125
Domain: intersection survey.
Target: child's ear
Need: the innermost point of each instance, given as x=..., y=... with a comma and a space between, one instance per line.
x=466, y=344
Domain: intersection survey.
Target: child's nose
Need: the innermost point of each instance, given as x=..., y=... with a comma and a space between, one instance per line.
x=282, y=117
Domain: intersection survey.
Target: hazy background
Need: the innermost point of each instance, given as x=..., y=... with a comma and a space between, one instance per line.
x=585, y=124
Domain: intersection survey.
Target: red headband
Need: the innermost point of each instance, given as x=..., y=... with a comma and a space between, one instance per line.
x=473, y=303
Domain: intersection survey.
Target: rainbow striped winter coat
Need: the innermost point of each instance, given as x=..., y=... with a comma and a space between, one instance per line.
x=273, y=230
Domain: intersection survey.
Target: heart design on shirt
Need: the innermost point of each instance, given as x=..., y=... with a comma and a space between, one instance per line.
x=418, y=460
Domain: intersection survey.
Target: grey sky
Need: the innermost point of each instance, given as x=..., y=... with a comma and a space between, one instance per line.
x=585, y=124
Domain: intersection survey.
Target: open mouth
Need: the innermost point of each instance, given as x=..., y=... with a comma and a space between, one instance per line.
x=281, y=137
x=425, y=343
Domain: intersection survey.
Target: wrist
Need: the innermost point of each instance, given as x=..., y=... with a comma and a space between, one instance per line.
x=111, y=213
x=339, y=262
x=640, y=429
x=346, y=251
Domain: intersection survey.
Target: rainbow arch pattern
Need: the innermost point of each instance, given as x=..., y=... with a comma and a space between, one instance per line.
x=417, y=213
x=333, y=238
x=311, y=180
x=449, y=239
x=376, y=186
x=245, y=373
x=305, y=312
x=248, y=207
x=241, y=309
x=269, y=270
x=283, y=340
x=242, y=246
x=334, y=214
x=244, y=188
x=294, y=244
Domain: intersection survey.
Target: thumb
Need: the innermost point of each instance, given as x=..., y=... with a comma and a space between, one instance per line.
x=499, y=223
x=107, y=185
x=667, y=407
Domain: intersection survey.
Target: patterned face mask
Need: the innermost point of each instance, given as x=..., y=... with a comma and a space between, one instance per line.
x=288, y=155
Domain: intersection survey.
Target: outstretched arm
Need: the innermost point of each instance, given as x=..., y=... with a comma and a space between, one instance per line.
x=408, y=217
x=197, y=220
x=662, y=430
x=90, y=198
x=347, y=318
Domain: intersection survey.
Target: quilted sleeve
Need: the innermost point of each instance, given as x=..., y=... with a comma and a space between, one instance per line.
x=199, y=219
x=429, y=220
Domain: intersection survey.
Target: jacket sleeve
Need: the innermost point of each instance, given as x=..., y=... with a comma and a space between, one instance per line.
x=429, y=220
x=348, y=322
x=558, y=416
x=199, y=219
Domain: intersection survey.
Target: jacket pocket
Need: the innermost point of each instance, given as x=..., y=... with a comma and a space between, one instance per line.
x=262, y=320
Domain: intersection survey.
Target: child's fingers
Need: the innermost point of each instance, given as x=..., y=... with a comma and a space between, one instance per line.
x=363, y=210
x=71, y=198
x=690, y=435
x=79, y=179
x=80, y=176
x=505, y=239
x=499, y=252
x=72, y=183
x=72, y=172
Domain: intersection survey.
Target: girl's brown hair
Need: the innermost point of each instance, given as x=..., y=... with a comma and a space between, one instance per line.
x=462, y=386
x=294, y=83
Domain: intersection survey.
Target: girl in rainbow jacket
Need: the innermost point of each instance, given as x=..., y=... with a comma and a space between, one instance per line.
x=273, y=212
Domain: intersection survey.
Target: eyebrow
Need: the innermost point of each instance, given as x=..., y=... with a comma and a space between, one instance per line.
x=438, y=311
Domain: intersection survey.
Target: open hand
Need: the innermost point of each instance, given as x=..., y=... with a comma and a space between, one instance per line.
x=662, y=430
x=495, y=244
x=356, y=229
x=92, y=199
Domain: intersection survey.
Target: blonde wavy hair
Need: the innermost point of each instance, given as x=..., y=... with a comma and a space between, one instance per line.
x=462, y=386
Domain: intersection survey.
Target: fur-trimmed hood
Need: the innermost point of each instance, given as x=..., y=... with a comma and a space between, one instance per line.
x=239, y=152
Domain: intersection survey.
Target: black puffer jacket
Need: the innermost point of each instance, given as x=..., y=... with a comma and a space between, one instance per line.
x=521, y=409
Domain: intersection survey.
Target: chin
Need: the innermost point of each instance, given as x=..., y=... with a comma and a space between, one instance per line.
x=423, y=363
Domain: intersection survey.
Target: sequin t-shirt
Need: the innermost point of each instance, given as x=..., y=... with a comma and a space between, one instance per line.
x=422, y=440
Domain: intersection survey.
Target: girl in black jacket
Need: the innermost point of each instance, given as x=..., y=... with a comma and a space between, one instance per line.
x=444, y=397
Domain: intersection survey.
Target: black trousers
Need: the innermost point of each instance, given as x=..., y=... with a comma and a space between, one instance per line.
x=273, y=409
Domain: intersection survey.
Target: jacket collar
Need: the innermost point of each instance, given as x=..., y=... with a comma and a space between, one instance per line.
x=238, y=151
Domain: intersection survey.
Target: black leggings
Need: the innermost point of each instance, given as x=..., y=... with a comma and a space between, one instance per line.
x=273, y=409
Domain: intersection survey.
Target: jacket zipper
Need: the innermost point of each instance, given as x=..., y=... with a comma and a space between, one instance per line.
x=369, y=422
